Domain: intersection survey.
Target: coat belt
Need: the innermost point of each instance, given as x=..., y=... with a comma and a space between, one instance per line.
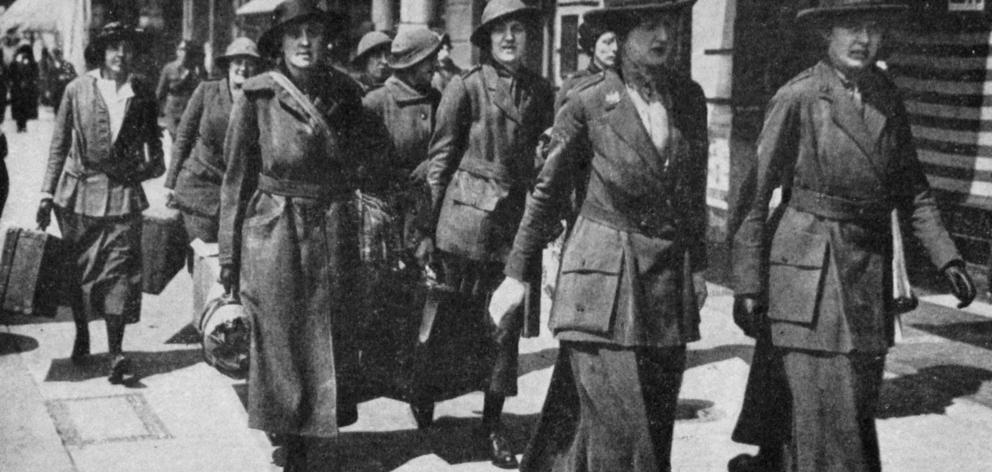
x=654, y=224
x=839, y=208
x=298, y=189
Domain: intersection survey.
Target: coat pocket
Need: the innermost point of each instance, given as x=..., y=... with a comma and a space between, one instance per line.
x=586, y=291
x=469, y=220
x=798, y=264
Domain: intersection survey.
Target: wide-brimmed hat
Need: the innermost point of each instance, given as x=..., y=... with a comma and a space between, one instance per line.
x=412, y=46
x=589, y=33
x=498, y=10
x=371, y=41
x=291, y=12
x=622, y=18
x=243, y=47
x=837, y=8
x=117, y=31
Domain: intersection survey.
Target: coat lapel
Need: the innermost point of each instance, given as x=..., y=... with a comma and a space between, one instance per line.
x=626, y=123
x=847, y=117
x=499, y=93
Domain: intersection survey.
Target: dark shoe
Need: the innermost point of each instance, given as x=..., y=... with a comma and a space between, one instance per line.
x=499, y=451
x=762, y=462
x=80, y=350
x=423, y=413
x=119, y=367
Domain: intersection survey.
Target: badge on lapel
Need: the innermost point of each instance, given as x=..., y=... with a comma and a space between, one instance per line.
x=613, y=98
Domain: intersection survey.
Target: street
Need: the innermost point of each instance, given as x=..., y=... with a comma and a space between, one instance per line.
x=182, y=415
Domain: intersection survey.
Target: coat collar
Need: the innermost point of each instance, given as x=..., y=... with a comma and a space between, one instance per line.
x=404, y=94
x=865, y=130
x=500, y=93
x=622, y=116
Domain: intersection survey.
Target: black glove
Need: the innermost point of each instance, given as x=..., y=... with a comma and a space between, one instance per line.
x=44, y=216
x=961, y=284
x=229, y=279
x=749, y=313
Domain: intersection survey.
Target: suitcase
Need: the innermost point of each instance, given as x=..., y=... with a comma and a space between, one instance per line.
x=163, y=248
x=206, y=270
x=32, y=272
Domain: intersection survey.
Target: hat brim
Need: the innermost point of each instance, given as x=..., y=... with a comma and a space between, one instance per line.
x=268, y=42
x=140, y=40
x=821, y=14
x=411, y=60
x=479, y=36
x=357, y=60
x=620, y=20
x=224, y=61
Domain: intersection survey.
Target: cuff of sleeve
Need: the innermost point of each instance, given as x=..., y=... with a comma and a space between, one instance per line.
x=47, y=196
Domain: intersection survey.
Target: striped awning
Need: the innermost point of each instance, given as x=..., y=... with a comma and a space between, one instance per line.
x=947, y=82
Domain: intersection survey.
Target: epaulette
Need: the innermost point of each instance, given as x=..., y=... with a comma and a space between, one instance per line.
x=471, y=70
x=587, y=81
x=805, y=74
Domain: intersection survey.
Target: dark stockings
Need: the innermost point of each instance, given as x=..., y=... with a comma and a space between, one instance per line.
x=492, y=409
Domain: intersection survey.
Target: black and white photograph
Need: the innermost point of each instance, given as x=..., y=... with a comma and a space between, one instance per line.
x=485, y=235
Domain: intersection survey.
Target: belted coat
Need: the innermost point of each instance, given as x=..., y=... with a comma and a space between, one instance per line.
x=197, y=166
x=483, y=158
x=826, y=266
x=625, y=275
x=287, y=222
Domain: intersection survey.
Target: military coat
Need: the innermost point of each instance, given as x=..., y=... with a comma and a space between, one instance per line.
x=198, y=153
x=826, y=266
x=287, y=222
x=483, y=158
x=625, y=275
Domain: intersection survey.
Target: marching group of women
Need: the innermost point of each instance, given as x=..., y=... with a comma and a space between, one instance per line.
x=268, y=164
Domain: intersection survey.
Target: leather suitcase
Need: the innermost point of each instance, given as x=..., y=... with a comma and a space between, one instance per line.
x=32, y=272
x=163, y=248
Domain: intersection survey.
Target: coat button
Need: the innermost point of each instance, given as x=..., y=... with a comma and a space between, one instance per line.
x=423, y=116
x=580, y=308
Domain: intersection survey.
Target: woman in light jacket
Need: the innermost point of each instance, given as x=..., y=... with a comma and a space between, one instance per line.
x=105, y=143
x=198, y=153
x=295, y=152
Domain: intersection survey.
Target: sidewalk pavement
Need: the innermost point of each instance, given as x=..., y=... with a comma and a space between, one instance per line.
x=184, y=416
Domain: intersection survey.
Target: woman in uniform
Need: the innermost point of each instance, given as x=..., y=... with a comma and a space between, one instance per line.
x=295, y=151
x=198, y=153
x=177, y=82
x=482, y=165
x=105, y=143
x=631, y=280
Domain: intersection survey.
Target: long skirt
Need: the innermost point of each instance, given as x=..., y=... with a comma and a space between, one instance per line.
x=106, y=262
x=608, y=409
x=298, y=288
x=764, y=421
x=463, y=352
x=833, y=401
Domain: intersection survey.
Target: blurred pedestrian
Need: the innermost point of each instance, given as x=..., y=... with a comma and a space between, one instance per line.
x=62, y=72
x=197, y=166
x=177, y=82
x=105, y=143
x=482, y=163
x=23, y=75
x=371, y=60
x=407, y=105
x=446, y=68
x=296, y=149
x=631, y=282
x=813, y=283
x=601, y=46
